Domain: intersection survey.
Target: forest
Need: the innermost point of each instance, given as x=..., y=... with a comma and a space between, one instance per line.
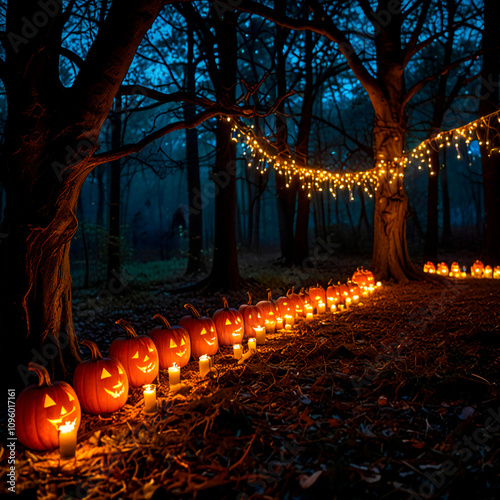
x=304, y=194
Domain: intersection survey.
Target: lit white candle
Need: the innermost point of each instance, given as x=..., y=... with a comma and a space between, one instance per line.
x=150, y=397
x=204, y=365
x=67, y=439
x=309, y=315
x=341, y=307
x=348, y=302
x=260, y=334
x=321, y=307
x=288, y=327
x=333, y=308
x=237, y=352
x=252, y=343
x=289, y=320
x=279, y=323
x=174, y=374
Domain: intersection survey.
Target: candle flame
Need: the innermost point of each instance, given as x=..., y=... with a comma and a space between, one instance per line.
x=67, y=427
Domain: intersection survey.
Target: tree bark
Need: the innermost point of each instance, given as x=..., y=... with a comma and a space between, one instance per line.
x=301, y=238
x=114, y=236
x=195, y=218
x=225, y=273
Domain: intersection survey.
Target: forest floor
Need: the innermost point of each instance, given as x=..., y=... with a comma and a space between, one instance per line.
x=397, y=397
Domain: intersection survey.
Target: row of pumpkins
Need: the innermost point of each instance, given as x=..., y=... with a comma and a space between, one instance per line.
x=101, y=384
x=477, y=270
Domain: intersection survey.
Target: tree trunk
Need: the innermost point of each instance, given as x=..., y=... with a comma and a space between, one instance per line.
x=114, y=237
x=285, y=196
x=225, y=274
x=432, y=234
x=195, y=219
x=489, y=103
x=390, y=252
x=446, y=203
x=301, y=239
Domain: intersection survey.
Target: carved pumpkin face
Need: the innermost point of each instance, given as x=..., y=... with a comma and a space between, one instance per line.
x=297, y=304
x=172, y=342
x=42, y=409
x=101, y=383
x=252, y=317
x=332, y=296
x=286, y=310
x=229, y=325
x=269, y=312
x=443, y=269
x=360, y=278
x=429, y=267
x=202, y=333
x=317, y=294
x=137, y=354
x=477, y=269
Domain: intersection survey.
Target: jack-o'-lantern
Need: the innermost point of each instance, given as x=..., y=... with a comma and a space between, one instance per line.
x=286, y=310
x=318, y=296
x=43, y=408
x=332, y=295
x=172, y=342
x=229, y=325
x=269, y=311
x=429, y=267
x=477, y=269
x=297, y=303
x=360, y=278
x=306, y=300
x=202, y=332
x=252, y=317
x=370, y=279
x=354, y=291
x=442, y=269
x=100, y=383
x=137, y=354
x=344, y=292
x=455, y=270
x=496, y=273
x=488, y=272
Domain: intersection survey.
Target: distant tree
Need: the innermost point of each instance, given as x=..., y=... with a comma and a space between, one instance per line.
x=393, y=49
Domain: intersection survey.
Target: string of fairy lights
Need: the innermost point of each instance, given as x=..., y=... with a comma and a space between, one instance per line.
x=262, y=155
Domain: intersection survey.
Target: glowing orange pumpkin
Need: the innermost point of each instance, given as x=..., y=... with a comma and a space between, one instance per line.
x=477, y=269
x=269, y=311
x=229, y=325
x=360, y=278
x=202, y=332
x=332, y=294
x=286, y=310
x=297, y=303
x=442, y=269
x=137, y=354
x=41, y=409
x=100, y=383
x=172, y=342
x=496, y=273
x=252, y=317
x=429, y=267
x=318, y=295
